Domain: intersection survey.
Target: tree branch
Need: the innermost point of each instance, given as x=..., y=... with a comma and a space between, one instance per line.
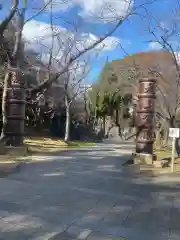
x=6, y=21
x=39, y=12
x=48, y=82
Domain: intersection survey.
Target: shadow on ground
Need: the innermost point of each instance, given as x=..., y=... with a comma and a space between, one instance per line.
x=88, y=195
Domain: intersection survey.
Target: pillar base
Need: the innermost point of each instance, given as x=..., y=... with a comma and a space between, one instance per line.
x=143, y=158
x=14, y=151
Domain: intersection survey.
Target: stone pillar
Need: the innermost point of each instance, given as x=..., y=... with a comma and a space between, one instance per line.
x=15, y=108
x=145, y=119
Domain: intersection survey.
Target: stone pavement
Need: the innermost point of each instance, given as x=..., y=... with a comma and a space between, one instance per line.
x=87, y=194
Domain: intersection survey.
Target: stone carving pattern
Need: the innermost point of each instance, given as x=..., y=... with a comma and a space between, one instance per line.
x=15, y=77
x=146, y=118
x=149, y=88
x=148, y=105
x=145, y=109
x=145, y=135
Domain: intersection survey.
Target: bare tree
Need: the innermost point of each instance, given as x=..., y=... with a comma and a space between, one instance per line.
x=164, y=33
x=73, y=88
x=116, y=21
x=14, y=56
x=14, y=53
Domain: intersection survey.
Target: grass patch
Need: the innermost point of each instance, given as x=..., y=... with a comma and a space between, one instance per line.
x=36, y=146
x=80, y=144
x=164, y=152
x=52, y=145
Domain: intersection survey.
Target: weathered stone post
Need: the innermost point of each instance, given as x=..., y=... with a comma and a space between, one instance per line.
x=145, y=120
x=15, y=108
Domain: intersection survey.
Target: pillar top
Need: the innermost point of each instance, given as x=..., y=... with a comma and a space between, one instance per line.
x=14, y=69
x=146, y=95
x=146, y=79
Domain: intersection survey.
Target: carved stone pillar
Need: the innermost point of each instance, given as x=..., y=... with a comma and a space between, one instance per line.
x=145, y=116
x=15, y=108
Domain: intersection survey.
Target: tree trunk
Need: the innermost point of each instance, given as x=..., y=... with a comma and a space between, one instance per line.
x=121, y=123
x=166, y=132
x=158, y=138
x=117, y=117
x=87, y=115
x=109, y=129
x=120, y=131
x=4, y=107
x=104, y=125
x=14, y=112
x=166, y=136
x=68, y=118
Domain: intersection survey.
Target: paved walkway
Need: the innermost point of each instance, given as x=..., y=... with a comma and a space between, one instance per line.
x=87, y=194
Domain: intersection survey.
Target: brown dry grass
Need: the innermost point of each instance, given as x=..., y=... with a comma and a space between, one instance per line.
x=38, y=146
x=163, y=153
x=52, y=145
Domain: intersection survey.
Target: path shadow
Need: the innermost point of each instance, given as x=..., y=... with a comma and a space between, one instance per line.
x=75, y=192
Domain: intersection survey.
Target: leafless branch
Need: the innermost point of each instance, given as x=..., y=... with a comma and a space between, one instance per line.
x=9, y=17
x=72, y=59
x=39, y=12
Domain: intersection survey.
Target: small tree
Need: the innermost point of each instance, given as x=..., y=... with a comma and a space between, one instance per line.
x=73, y=87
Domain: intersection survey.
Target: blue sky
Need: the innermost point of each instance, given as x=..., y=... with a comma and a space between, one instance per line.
x=132, y=34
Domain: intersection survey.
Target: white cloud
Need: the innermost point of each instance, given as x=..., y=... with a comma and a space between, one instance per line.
x=39, y=37
x=154, y=46
x=103, y=10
